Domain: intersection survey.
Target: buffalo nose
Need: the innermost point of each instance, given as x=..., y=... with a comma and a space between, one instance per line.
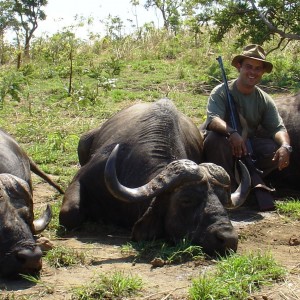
x=30, y=259
x=228, y=239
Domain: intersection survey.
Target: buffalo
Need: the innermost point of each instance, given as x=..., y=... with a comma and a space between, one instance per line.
x=286, y=182
x=142, y=170
x=18, y=250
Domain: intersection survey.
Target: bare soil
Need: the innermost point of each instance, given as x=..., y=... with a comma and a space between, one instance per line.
x=267, y=231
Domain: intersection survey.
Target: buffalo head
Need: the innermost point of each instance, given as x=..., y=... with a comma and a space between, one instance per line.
x=189, y=201
x=18, y=250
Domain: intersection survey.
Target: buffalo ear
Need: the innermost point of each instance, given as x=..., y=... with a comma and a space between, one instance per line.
x=151, y=225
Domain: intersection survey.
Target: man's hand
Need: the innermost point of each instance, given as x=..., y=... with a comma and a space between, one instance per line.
x=238, y=145
x=283, y=157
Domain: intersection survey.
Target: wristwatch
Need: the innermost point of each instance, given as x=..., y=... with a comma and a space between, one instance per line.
x=230, y=132
x=287, y=147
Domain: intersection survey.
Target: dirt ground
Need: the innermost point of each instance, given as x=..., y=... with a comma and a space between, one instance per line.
x=266, y=231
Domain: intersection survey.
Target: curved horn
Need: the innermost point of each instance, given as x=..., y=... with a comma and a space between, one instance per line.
x=40, y=224
x=240, y=195
x=171, y=176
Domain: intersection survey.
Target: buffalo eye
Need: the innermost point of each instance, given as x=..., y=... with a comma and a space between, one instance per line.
x=24, y=214
x=191, y=197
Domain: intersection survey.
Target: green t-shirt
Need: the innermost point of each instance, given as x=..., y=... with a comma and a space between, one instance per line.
x=257, y=108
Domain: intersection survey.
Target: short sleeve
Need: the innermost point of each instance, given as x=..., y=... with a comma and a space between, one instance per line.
x=216, y=105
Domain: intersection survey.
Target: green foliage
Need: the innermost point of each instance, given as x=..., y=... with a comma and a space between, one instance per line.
x=170, y=10
x=27, y=13
x=6, y=15
x=61, y=256
x=236, y=277
x=114, y=26
x=11, y=84
x=55, y=50
x=116, y=285
x=84, y=94
x=170, y=254
x=49, y=132
x=290, y=208
x=182, y=252
x=56, y=144
x=255, y=21
x=104, y=73
x=287, y=70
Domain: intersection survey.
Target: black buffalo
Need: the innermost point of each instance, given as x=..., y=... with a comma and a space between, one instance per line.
x=286, y=182
x=18, y=250
x=140, y=170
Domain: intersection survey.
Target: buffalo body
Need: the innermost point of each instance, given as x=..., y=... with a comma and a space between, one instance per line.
x=141, y=170
x=286, y=182
x=18, y=250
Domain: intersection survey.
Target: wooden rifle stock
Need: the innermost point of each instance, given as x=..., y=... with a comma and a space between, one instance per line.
x=263, y=196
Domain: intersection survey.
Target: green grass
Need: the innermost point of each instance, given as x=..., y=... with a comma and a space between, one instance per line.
x=179, y=253
x=61, y=256
x=115, y=285
x=36, y=280
x=236, y=277
x=290, y=208
x=48, y=123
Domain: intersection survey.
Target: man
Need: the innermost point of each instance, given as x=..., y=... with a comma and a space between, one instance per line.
x=258, y=116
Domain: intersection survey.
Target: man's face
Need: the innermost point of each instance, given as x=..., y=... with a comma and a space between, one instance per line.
x=251, y=71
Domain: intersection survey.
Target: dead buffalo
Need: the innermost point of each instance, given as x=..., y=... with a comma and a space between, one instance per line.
x=286, y=182
x=18, y=250
x=140, y=170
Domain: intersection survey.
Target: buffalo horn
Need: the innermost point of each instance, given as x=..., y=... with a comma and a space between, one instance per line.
x=40, y=224
x=240, y=195
x=172, y=175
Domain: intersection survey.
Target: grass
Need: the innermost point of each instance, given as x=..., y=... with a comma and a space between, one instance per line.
x=290, y=208
x=61, y=256
x=115, y=285
x=179, y=253
x=236, y=277
x=48, y=124
x=47, y=289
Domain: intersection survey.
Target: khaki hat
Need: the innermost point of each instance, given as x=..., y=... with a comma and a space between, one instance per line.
x=255, y=52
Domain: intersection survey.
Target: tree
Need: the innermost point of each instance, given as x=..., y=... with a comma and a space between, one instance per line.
x=28, y=13
x=135, y=3
x=6, y=21
x=258, y=21
x=170, y=10
x=114, y=27
x=6, y=15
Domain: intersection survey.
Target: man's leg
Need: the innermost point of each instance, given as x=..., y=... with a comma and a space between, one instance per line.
x=264, y=150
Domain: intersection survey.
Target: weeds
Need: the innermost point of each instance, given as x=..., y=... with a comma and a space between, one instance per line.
x=47, y=289
x=11, y=85
x=110, y=286
x=61, y=256
x=179, y=253
x=290, y=208
x=236, y=277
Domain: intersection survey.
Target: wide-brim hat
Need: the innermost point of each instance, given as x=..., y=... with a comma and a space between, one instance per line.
x=253, y=51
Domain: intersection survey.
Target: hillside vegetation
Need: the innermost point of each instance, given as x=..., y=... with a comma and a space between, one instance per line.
x=70, y=85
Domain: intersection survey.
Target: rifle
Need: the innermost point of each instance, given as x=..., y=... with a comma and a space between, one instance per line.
x=264, y=199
